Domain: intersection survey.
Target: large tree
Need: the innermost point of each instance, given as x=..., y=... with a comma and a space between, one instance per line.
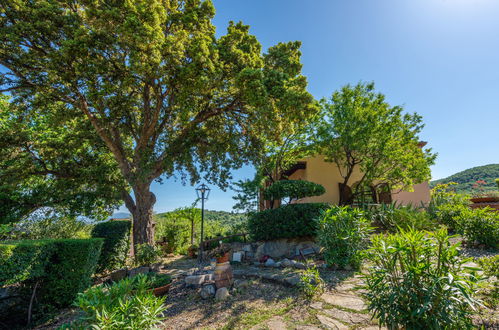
x=360, y=131
x=51, y=160
x=164, y=94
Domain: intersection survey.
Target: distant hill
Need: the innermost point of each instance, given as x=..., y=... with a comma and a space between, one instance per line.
x=465, y=179
x=224, y=217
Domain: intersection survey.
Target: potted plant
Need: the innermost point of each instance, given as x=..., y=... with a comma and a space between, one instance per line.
x=159, y=283
x=479, y=194
x=221, y=253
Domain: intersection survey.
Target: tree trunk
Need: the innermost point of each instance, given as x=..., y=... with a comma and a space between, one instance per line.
x=143, y=229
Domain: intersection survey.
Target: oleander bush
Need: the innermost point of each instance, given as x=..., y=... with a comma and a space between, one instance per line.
x=417, y=280
x=127, y=304
x=480, y=226
x=116, y=235
x=490, y=265
x=289, y=221
x=311, y=283
x=446, y=205
x=343, y=232
x=394, y=217
x=293, y=189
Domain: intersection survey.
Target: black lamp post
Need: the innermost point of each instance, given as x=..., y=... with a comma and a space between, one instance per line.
x=202, y=192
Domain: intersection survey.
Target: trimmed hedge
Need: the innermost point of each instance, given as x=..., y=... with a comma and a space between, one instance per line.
x=62, y=267
x=116, y=235
x=293, y=189
x=289, y=221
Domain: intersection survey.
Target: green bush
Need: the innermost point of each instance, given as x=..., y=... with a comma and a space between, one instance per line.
x=293, y=189
x=479, y=225
x=116, y=235
x=393, y=217
x=418, y=281
x=59, y=268
x=127, y=304
x=490, y=265
x=311, y=283
x=289, y=221
x=146, y=254
x=23, y=260
x=343, y=233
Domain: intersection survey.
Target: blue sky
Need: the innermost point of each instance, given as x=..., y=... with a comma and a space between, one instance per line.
x=439, y=58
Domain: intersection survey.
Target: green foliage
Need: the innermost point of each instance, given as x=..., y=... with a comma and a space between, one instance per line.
x=497, y=183
x=360, y=131
x=146, y=254
x=311, y=283
x=343, y=233
x=446, y=205
x=480, y=225
x=490, y=265
x=62, y=267
x=192, y=103
x=70, y=269
x=466, y=179
x=127, y=304
x=289, y=221
x=51, y=226
x=248, y=192
x=293, y=189
x=23, y=260
x=50, y=159
x=116, y=235
x=175, y=226
x=418, y=281
x=393, y=217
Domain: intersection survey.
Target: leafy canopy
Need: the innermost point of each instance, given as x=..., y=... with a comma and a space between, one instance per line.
x=360, y=130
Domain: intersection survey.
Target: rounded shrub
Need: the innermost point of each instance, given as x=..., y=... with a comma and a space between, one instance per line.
x=116, y=235
x=293, y=189
x=343, y=233
x=417, y=280
x=480, y=226
x=289, y=221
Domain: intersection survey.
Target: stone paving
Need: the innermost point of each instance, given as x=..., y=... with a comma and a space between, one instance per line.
x=339, y=307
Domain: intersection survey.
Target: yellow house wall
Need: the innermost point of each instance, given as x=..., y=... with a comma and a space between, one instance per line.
x=420, y=195
x=328, y=175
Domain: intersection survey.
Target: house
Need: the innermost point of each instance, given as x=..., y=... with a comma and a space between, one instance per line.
x=316, y=169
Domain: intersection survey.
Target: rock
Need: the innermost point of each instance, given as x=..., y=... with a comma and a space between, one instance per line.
x=286, y=262
x=257, y=263
x=118, y=275
x=292, y=280
x=247, y=248
x=276, y=323
x=316, y=305
x=330, y=323
x=222, y=294
x=209, y=277
x=348, y=317
x=299, y=265
x=344, y=300
x=347, y=267
x=270, y=262
x=237, y=256
x=241, y=284
x=278, y=264
x=139, y=270
x=307, y=327
x=208, y=291
x=195, y=280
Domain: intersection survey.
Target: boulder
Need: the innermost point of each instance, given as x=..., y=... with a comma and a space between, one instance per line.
x=241, y=284
x=139, y=270
x=284, y=248
x=222, y=294
x=208, y=291
x=270, y=262
x=195, y=280
x=118, y=275
x=286, y=262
